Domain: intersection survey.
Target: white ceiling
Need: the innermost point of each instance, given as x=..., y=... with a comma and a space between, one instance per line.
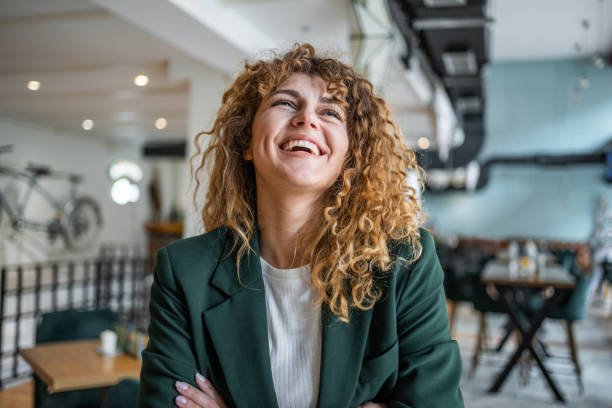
x=549, y=29
x=86, y=53
x=86, y=59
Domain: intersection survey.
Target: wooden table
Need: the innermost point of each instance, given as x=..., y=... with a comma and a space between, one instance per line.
x=73, y=365
x=554, y=284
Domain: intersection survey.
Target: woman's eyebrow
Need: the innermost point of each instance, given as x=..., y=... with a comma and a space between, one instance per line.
x=296, y=94
x=290, y=92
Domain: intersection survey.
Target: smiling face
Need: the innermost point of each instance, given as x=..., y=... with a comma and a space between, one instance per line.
x=299, y=137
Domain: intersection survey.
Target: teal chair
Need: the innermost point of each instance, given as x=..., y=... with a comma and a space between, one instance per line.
x=571, y=310
x=64, y=326
x=123, y=395
x=566, y=258
x=459, y=274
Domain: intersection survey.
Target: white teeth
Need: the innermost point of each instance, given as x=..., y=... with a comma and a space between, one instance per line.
x=302, y=143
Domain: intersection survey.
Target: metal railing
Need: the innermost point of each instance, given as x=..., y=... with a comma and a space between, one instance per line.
x=29, y=291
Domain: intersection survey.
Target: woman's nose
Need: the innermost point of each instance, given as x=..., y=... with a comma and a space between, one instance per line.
x=305, y=118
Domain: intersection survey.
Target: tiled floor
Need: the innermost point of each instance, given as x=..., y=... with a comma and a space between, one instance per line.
x=594, y=338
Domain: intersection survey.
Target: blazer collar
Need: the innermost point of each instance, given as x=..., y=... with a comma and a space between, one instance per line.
x=226, y=278
x=238, y=328
x=239, y=331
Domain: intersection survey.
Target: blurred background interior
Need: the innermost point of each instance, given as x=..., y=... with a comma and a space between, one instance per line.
x=508, y=104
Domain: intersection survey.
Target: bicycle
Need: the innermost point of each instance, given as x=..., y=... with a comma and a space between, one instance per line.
x=77, y=219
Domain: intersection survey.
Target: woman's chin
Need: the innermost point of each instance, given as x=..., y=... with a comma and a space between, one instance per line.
x=303, y=183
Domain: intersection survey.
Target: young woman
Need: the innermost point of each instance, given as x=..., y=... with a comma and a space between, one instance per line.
x=314, y=285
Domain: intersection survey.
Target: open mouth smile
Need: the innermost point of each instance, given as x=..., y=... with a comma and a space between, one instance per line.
x=300, y=145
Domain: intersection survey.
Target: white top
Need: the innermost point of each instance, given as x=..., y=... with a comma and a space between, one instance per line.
x=294, y=333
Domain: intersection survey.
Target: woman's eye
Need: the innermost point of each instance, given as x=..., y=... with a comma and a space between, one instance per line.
x=333, y=113
x=284, y=102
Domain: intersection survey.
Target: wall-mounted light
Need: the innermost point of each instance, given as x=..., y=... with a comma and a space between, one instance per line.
x=87, y=124
x=123, y=191
x=423, y=143
x=141, y=80
x=125, y=176
x=161, y=123
x=33, y=85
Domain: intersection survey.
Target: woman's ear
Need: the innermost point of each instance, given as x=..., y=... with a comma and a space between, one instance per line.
x=248, y=154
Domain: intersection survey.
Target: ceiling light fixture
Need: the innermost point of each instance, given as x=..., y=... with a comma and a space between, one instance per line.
x=469, y=104
x=444, y=3
x=33, y=85
x=87, y=124
x=161, y=123
x=460, y=62
x=423, y=143
x=141, y=80
x=597, y=59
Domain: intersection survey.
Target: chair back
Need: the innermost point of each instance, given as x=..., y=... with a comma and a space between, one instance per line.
x=64, y=326
x=75, y=325
x=481, y=300
x=574, y=308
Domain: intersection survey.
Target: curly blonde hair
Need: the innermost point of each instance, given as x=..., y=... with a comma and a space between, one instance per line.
x=370, y=205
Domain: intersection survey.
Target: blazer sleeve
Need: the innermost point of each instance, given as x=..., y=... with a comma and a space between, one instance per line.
x=169, y=356
x=429, y=361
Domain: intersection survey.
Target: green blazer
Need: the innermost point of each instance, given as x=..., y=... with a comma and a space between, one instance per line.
x=203, y=320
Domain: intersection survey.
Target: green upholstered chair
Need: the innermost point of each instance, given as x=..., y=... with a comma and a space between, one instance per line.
x=459, y=275
x=123, y=395
x=566, y=258
x=572, y=310
x=64, y=326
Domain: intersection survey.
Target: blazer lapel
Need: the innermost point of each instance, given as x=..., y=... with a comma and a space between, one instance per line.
x=342, y=348
x=239, y=332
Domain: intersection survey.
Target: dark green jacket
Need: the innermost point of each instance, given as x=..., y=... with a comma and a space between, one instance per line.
x=203, y=320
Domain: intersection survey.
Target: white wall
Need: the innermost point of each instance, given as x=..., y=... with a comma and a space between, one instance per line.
x=83, y=153
x=205, y=93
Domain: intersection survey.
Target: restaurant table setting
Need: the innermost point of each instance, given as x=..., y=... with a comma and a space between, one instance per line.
x=519, y=282
x=83, y=364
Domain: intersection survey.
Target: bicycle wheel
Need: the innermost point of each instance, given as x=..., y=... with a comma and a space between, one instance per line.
x=82, y=223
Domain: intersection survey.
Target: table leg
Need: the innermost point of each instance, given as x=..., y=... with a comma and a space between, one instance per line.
x=502, y=342
x=528, y=329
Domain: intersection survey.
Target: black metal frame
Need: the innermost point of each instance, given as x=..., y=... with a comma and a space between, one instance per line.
x=28, y=291
x=528, y=327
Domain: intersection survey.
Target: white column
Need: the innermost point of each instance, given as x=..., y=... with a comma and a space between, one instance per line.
x=206, y=89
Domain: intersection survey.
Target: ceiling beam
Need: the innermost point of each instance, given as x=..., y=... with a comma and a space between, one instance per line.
x=206, y=30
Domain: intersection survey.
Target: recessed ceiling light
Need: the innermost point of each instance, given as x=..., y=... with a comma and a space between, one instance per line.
x=33, y=85
x=87, y=124
x=141, y=80
x=423, y=143
x=161, y=123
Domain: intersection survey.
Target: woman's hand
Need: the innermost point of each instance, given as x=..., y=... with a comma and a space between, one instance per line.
x=191, y=397
x=208, y=397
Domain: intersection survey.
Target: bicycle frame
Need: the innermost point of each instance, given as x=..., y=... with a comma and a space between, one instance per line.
x=17, y=215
